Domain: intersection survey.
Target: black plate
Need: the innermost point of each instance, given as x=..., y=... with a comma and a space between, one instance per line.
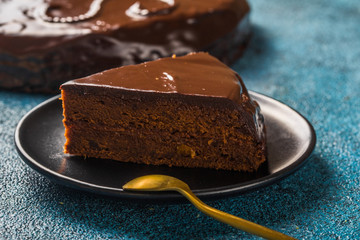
x=40, y=138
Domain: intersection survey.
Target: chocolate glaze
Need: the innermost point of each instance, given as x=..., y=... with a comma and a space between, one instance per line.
x=44, y=43
x=194, y=75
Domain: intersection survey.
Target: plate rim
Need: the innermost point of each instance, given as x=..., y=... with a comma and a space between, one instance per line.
x=209, y=193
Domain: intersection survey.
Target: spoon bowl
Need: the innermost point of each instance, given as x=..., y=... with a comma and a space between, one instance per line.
x=155, y=183
x=168, y=183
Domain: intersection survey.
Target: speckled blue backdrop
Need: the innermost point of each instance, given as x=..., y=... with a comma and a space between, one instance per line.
x=304, y=53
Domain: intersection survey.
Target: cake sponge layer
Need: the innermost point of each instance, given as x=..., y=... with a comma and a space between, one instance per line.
x=155, y=129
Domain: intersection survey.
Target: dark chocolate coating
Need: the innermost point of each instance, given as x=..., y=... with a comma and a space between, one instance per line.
x=38, y=52
x=193, y=74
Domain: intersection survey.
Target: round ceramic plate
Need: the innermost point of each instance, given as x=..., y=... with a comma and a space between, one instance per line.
x=39, y=138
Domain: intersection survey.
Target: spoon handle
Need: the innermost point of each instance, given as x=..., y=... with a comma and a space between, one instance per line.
x=232, y=220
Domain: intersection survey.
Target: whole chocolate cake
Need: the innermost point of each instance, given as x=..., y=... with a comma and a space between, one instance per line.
x=44, y=43
x=189, y=111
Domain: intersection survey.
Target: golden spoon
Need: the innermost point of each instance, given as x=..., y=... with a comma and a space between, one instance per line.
x=167, y=183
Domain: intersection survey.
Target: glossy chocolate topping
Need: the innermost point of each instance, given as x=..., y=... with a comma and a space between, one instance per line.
x=193, y=74
x=31, y=26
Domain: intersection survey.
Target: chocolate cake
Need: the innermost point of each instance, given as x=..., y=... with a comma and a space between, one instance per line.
x=189, y=111
x=44, y=43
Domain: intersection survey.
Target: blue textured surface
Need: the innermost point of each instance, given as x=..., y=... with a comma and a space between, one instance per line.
x=304, y=53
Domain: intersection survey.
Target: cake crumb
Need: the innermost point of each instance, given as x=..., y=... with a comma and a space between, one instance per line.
x=186, y=151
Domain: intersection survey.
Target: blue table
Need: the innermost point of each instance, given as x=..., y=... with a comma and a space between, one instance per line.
x=303, y=53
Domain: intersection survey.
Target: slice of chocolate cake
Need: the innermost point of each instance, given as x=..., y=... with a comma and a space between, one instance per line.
x=190, y=111
x=44, y=43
